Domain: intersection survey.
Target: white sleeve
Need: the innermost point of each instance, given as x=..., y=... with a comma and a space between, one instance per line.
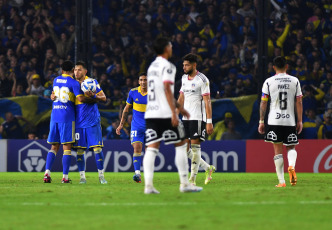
x=181, y=89
x=265, y=88
x=168, y=74
x=298, y=89
x=205, y=87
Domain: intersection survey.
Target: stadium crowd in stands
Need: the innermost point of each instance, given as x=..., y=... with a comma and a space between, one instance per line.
x=37, y=36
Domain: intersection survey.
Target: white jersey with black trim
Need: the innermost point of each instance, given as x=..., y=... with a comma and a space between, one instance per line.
x=160, y=71
x=193, y=91
x=282, y=90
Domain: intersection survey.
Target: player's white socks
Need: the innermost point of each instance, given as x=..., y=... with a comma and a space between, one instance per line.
x=202, y=163
x=65, y=176
x=291, y=155
x=82, y=174
x=279, y=163
x=196, y=151
x=181, y=162
x=101, y=172
x=148, y=166
x=137, y=172
x=47, y=171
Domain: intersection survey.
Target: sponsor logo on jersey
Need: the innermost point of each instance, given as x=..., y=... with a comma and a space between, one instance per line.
x=193, y=85
x=136, y=99
x=152, y=107
x=169, y=71
x=59, y=107
x=282, y=116
x=61, y=80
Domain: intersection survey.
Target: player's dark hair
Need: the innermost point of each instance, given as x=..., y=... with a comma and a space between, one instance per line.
x=279, y=62
x=142, y=74
x=82, y=63
x=67, y=65
x=191, y=58
x=160, y=45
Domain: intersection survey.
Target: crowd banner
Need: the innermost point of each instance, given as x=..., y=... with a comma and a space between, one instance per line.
x=312, y=156
x=38, y=109
x=30, y=156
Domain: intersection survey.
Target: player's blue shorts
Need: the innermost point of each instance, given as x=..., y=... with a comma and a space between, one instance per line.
x=137, y=135
x=88, y=137
x=63, y=133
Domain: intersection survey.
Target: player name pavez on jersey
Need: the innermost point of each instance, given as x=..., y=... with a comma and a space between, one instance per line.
x=65, y=89
x=193, y=91
x=282, y=90
x=160, y=71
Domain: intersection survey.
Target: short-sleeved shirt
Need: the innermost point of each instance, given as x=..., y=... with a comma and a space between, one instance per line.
x=193, y=91
x=282, y=90
x=87, y=114
x=159, y=72
x=138, y=100
x=66, y=89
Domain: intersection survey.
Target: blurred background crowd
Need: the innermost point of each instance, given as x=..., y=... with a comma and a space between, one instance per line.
x=37, y=36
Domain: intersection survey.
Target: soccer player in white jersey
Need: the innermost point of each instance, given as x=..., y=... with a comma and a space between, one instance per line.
x=285, y=96
x=162, y=121
x=195, y=98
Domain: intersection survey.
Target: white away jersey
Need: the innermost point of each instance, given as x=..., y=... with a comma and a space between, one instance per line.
x=193, y=91
x=160, y=71
x=283, y=90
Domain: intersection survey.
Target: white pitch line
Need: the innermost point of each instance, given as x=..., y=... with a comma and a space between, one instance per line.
x=305, y=202
x=105, y=204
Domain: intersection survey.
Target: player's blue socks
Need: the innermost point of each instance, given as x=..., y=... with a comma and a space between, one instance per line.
x=66, y=159
x=99, y=155
x=80, y=160
x=50, y=159
x=137, y=162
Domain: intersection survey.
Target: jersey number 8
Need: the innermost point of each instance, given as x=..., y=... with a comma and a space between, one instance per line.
x=283, y=100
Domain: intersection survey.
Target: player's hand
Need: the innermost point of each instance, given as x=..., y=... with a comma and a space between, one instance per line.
x=261, y=128
x=184, y=112
x=118, y=129
x=89, y=93
x=175, y=120
x=299, y=127
x=209, y=128
x=53, y=97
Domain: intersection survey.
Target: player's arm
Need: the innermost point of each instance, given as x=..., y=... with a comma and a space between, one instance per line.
x=208, y=109
x=262, y=112
x=100, y=96
x=181, y=99
x=124, y=116
x=299, y=111
x=171, y=102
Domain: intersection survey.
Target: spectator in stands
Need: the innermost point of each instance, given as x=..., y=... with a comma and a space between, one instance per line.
x=111, y=131
x=310, y=125
x=6, y=83
x=34, y=85
x=325, y=130
x=220, y=127
x=326, y=84
x=231, y=133
x=10, y=128
x=310, y=99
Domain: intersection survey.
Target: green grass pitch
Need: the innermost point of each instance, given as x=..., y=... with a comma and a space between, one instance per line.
x=230, y=201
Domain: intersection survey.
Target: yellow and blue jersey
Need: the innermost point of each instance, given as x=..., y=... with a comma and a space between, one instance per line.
x=87, y=115
x=66, y=89
x=138, y=100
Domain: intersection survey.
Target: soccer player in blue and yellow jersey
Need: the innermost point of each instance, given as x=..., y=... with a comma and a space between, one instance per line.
x=137, y=100
x=88, y=130
x=62, y=126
